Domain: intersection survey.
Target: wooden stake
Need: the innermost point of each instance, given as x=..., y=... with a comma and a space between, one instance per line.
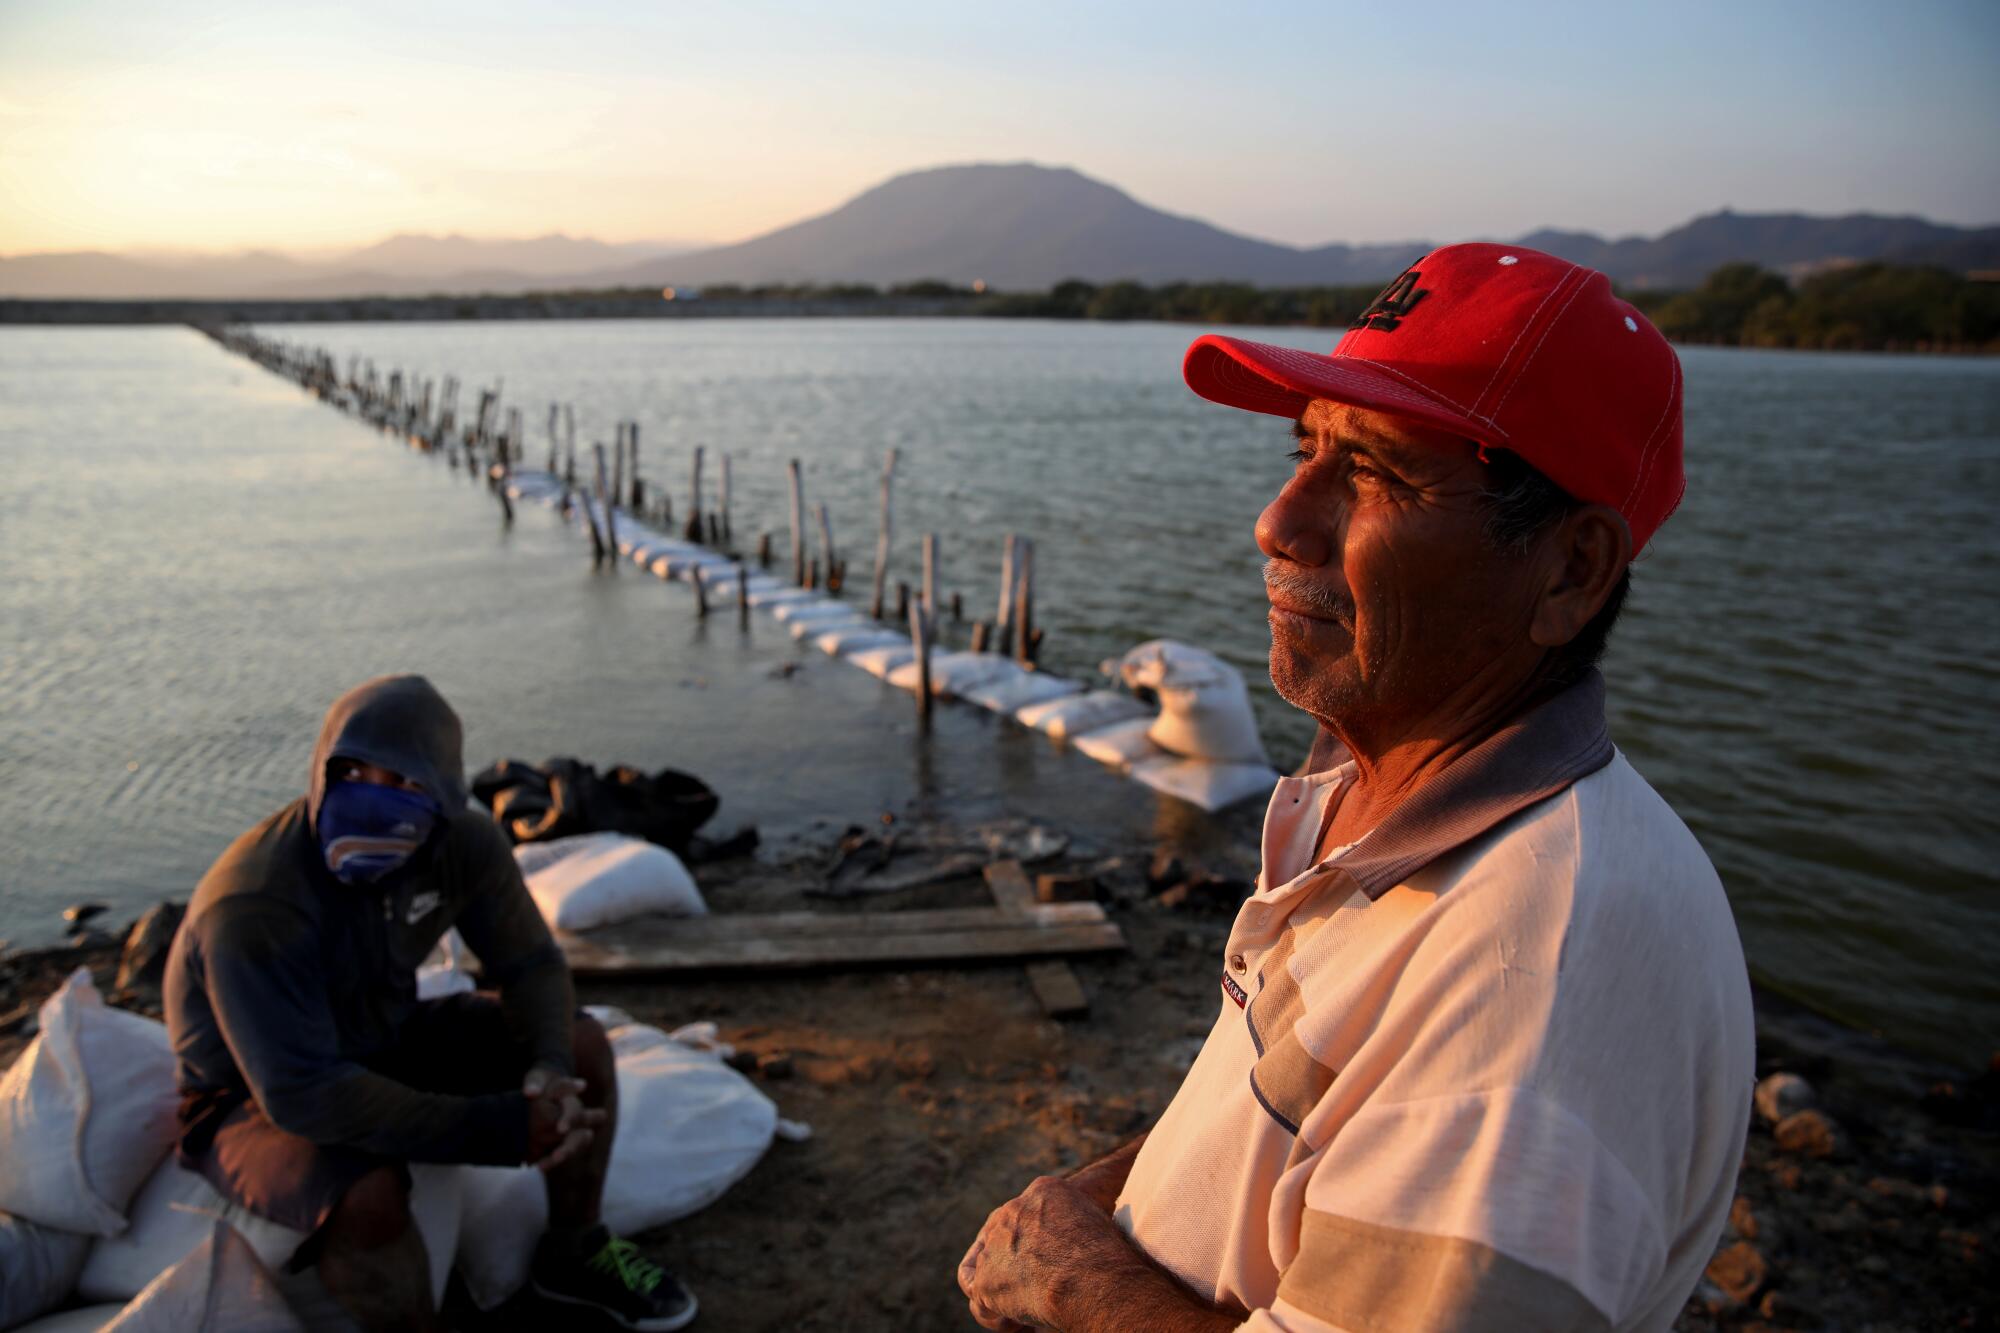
x=1024, y=604
x=882, y=538
x=742, y=594
x=1003, y=620
x=764, y=550
x=930, y=577
x=812, y=573
x=981, y=632
x=604, y=507
x=902, y=600
x=700, y=596
x=723, y=500
x=957, y=609
x=826, y=546
x=798, y=523
x=694, y=528
x=920, y=639
x=618, y=466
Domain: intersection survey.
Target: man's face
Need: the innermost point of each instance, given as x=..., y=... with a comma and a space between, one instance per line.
x=354, y=770
x=1387, y=605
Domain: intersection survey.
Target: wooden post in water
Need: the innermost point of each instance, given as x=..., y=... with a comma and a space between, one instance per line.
x=798, y=523
x=902, y=600
x=742, y=592
x=694, y=531
x=764, y=550
x=930, y=578
x=882, y=530
x=1024, y=605
x=957, y=609
x=1003, y=620
x=700, y=595
x=553, y=412
x=723, y=500
x=826, y=548
x=714, y=530
x=618, y=464
x=920, y=639
x=812, y=572
x=604, y=507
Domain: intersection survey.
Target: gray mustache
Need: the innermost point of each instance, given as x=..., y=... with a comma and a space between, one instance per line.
x=1302, y=591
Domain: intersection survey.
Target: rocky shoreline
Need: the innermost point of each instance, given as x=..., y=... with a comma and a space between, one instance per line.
x=1867, y=1198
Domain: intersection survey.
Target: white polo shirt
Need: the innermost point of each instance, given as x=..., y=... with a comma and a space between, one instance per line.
x=1488, y=1068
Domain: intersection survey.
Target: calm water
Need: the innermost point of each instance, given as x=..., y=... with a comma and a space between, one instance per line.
x=199, y=558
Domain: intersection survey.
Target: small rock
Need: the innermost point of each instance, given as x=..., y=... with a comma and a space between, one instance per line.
x=1742, y=1220
x=1065, y=888
x=778, y=1064
x=78, y=913
x=144, y=963
x=1810, y=1133
x=1739, y=1271
x=1781, y=1095
x=825, y=1073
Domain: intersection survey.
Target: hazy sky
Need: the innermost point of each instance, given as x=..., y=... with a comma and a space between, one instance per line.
x=221, y=123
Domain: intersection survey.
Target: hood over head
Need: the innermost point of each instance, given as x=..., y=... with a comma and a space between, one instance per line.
x=400, y=723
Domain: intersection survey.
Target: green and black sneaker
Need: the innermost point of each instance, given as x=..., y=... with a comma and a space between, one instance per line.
x=607, y=1273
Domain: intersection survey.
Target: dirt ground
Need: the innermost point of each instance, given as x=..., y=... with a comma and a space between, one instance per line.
x=934, y=1095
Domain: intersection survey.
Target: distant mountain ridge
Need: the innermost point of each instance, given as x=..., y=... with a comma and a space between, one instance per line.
x=1014, y=226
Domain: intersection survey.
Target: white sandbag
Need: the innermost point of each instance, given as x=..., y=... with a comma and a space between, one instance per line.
x=847, y=620
x=172, y=1213
x=857, y=638
x=689, y=1127
x=1005, y=693
x=882, y=662
x=1120, y=745
x=952, y=674
x=1204, y=704
x=86, y=1112
x=1211, y=786
x=170, y=1217
x=219, y=1288
x=1072, y=715
x=782, y=596
x=600, y=879
x=90, y=1319
x=665, y=556
x=825, y=608
x=38, y=1267
x=506, y=1212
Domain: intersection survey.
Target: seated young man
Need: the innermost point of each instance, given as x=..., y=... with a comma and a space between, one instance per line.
x=311, y=1073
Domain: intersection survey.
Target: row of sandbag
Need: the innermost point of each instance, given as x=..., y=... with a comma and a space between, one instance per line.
x=96, y=1211
x=1201, y=746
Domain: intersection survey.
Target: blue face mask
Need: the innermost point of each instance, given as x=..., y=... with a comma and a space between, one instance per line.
x=367, y=830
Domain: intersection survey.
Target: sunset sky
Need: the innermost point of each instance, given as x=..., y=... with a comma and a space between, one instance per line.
x=218, y=124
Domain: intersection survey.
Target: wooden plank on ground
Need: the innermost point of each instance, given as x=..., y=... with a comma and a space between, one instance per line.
x=608, y=955
x=1055, y=984
x=690, y=930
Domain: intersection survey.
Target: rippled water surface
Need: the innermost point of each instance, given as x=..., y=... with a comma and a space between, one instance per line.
x=198, y=557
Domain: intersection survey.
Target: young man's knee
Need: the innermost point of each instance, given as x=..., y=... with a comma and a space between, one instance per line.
x=373, y=1213
x=595, y=1063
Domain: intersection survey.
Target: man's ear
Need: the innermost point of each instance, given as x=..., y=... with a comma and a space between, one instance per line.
x=1584, y=558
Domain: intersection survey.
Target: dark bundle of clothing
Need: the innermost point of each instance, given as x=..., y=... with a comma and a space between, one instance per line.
x=537, y=802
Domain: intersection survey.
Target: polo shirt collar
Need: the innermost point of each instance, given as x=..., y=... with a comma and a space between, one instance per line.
x=1539, y=753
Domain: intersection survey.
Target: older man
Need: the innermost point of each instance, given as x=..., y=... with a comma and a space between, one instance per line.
x=1484, y=1054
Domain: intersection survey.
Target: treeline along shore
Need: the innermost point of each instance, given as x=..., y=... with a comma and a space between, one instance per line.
x=1857, y=307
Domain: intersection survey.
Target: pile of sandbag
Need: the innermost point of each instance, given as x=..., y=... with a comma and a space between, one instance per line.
x=97, y=1215
x=1201, y=746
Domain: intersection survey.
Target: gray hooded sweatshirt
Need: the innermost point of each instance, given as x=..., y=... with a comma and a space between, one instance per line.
x=285, y=984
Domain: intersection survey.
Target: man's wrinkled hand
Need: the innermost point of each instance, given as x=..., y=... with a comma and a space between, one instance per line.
x=1033, y=1248
x=559, y=1125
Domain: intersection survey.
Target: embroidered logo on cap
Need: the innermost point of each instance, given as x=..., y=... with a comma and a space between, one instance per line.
x=1393, y=306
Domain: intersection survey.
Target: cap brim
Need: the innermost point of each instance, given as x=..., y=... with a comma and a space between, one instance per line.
x=1280, y=381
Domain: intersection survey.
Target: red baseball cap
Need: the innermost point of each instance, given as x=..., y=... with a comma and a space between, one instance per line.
x=1509, y=347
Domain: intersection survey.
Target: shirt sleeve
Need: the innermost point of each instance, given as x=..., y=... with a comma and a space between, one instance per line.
x=266, y=987
x=1488, y=1210
x=516, y=952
